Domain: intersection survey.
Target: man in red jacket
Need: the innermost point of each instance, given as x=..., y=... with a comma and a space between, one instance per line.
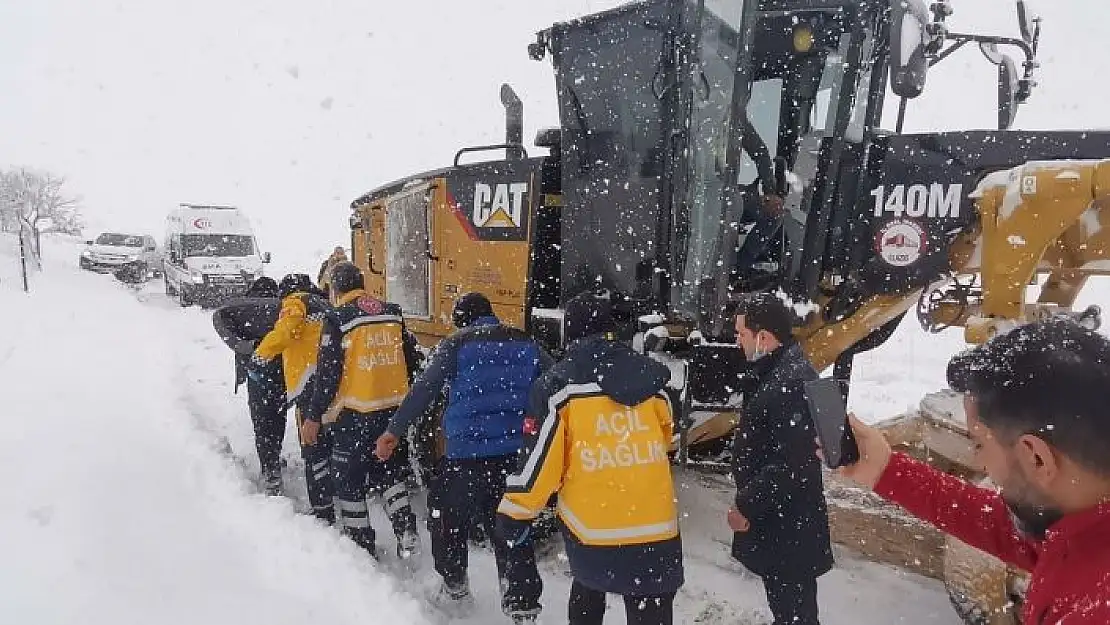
x=1038, y=411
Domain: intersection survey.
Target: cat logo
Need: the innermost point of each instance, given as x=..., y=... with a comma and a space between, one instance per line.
x=499, y=206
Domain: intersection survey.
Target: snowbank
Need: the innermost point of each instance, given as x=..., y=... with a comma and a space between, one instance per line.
x=118, y=509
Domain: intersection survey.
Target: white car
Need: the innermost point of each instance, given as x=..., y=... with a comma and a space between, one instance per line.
x=112, y=251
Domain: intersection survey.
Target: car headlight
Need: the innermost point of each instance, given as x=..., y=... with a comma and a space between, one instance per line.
x=86, y=254
x=198, y=278
x=132, y=258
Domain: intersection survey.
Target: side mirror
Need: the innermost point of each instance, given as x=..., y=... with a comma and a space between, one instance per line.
x=908, y=63
x=1029, y=26
x=265, y=257
x=1007, y=93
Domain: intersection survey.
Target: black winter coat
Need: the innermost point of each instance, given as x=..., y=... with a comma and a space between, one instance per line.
x=241, y=323
x=780, y=489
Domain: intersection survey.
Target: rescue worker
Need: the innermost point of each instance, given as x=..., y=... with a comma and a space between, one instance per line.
x=241, y=323
x=338, y=255
x=597, y=432
x=489, y=368
x=296, y=338
x=367, y=361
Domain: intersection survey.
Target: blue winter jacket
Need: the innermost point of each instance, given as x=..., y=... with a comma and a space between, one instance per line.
x=489, y=369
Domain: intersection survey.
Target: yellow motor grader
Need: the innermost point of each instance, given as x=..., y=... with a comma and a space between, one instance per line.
x=645, y=190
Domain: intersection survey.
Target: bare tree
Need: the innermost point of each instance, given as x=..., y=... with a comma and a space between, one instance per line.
x=36, y=200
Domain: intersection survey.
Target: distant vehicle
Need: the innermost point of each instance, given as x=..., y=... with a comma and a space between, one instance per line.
x=112, y=251
x=211, y=254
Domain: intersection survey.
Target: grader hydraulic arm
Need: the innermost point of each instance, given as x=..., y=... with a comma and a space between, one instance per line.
x=1041, y=217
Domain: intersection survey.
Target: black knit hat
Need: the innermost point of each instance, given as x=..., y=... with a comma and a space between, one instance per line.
x=294, y=283
x=587, y=314
x=469, y=308
x=347, y=277
x=263, y=287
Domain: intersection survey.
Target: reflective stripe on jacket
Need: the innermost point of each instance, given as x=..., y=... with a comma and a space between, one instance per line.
x=597, y=433
x=367, y=358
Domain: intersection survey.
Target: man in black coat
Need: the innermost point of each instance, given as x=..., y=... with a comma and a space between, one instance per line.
x=780, y=516
x=241, y=324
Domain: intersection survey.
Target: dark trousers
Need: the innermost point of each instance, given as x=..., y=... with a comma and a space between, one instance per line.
x=587, y=607
x=792, y=602
x=266, y=398
x=357, y=472
x=766, y=226
x=464, y=493
x=317, y=473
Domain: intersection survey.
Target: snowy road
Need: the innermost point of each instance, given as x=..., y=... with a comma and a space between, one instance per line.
x=123, y=506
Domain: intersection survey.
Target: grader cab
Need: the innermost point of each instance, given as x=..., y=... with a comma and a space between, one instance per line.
x=647, y=190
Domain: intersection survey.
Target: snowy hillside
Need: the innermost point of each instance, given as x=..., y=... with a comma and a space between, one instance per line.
x=135, y=501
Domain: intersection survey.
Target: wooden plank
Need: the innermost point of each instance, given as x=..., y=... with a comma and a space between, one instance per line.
x=952, y=446
x=882, y=532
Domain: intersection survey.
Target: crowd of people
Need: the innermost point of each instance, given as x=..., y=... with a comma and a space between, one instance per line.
x=589, y=434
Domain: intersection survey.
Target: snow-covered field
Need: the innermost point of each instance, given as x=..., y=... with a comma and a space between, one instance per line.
x=130, y=498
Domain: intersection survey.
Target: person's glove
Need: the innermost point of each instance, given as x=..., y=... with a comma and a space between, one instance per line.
x=773, y=205
x=246, y=348
x=256, y=370
x=515, y=533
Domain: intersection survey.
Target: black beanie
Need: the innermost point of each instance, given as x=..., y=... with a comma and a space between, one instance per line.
x=469, y=308
x=295, y=283
x=263, y=287
x=347, y=277
x=587, y=314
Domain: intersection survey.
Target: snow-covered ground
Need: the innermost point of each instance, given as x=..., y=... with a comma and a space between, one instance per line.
x=130, y=498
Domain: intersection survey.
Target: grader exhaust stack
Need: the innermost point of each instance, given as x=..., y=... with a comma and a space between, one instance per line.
x=514, y=122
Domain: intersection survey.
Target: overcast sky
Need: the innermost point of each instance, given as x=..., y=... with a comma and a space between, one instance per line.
x=292, y=109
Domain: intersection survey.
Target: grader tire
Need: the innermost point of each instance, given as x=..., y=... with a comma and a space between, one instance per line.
x=978, y=585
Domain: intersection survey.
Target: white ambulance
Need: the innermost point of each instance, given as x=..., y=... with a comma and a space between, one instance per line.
x=210, y=254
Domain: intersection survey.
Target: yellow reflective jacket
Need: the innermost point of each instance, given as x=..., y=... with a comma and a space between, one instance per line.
x=597, y=433
x=367, y=358
x=296, y=338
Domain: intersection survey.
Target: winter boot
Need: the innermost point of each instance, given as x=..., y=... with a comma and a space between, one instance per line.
x=516, y=615
x=363, y=537
x=409, y=551
x=454, y=600
x=408, y=545
x=271, y=482
x=325, y=514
